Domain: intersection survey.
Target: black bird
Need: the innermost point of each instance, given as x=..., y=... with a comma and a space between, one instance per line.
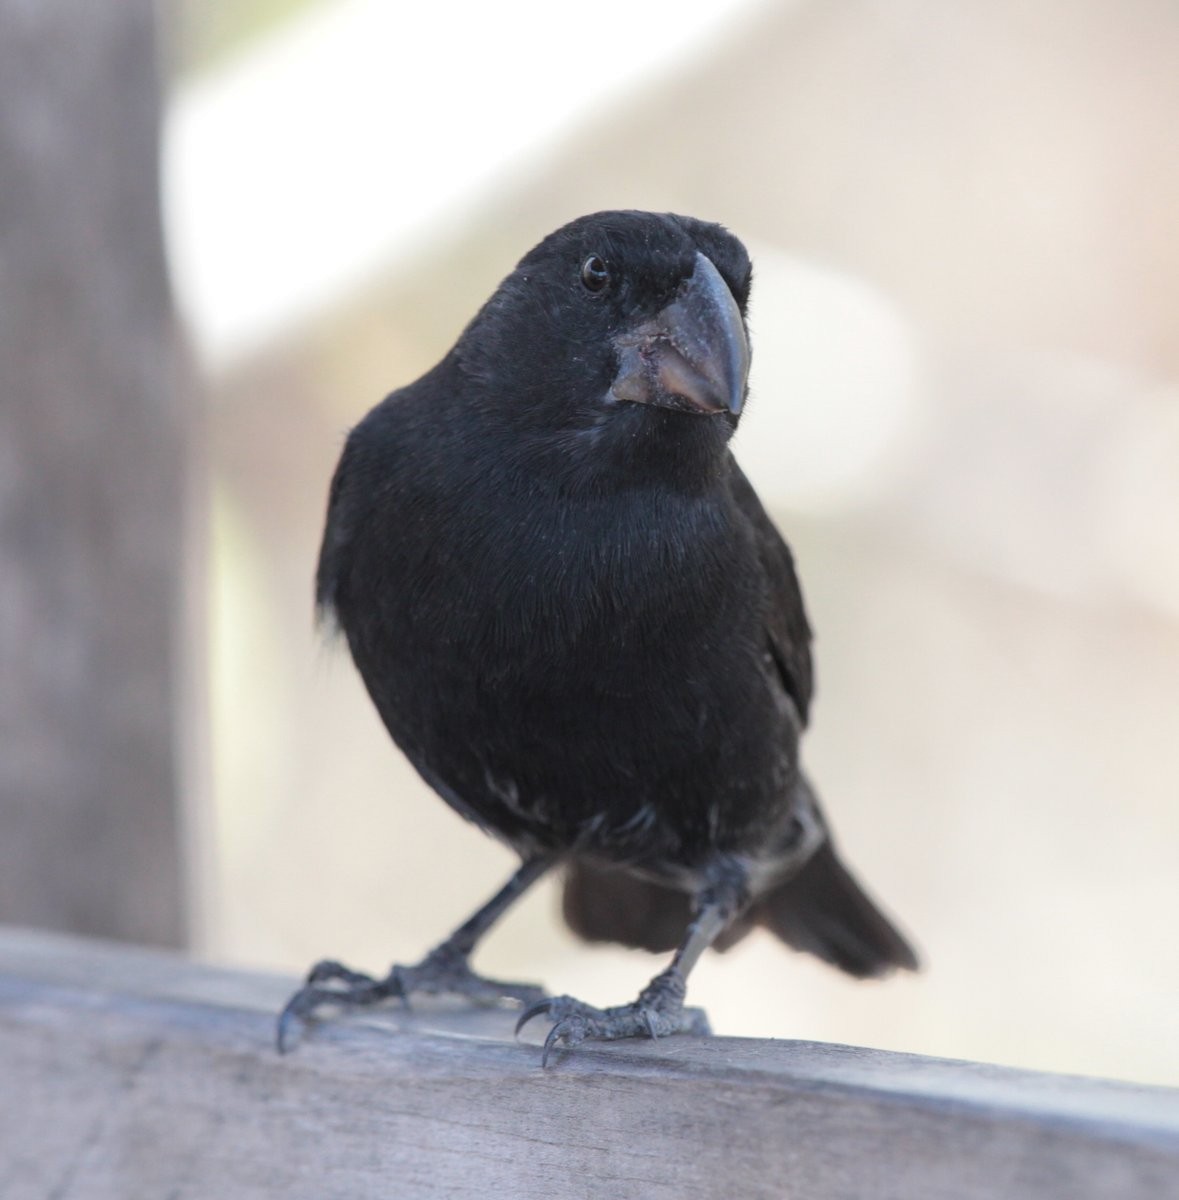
x=577, y=621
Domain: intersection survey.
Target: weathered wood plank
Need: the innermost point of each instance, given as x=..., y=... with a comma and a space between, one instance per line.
x=127, y=1073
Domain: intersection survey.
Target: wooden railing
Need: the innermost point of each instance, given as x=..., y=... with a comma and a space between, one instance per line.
x=127, y=1073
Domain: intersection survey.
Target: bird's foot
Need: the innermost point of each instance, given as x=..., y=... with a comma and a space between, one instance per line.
x=444, y=971
x=658, y=1012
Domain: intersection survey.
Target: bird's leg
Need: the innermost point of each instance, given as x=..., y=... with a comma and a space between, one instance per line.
x=445, y=970
x=659, y=1009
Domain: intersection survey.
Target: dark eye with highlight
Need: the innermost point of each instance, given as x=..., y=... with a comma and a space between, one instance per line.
x=595, y=275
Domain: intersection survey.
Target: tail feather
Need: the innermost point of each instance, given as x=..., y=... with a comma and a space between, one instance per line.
x=821, y=910
x=825, y=912
x=604, y=905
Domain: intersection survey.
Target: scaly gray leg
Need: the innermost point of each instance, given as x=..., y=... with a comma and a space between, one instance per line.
x=659, y=1009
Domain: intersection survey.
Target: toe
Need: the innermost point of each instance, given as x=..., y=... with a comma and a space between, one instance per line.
x=282, y=1029
x=540, y=1008
x=330, y=971
x=301, y=1005
x=568, y=1032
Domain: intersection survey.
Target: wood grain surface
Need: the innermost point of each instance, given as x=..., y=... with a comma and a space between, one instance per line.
x=133, y=1073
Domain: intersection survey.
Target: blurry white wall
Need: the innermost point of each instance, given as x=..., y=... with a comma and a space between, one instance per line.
x=964, y=416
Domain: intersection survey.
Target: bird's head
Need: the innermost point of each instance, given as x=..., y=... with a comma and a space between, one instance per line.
x=620, y=339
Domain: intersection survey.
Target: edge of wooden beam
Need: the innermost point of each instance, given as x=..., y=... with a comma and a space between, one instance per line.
x=149, y=1068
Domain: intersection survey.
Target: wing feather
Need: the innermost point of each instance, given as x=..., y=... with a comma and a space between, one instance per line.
x=788, y=633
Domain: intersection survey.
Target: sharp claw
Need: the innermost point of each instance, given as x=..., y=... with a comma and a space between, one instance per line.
x=531, y=1013
x=555, y=1035
x=395, y=989
x=649, y=1019
x=571, y=1031
x=285, y=1020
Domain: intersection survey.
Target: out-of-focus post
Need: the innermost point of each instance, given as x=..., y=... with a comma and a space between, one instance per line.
x=92, y=480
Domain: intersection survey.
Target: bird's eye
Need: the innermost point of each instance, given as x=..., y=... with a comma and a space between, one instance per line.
x=595, y=275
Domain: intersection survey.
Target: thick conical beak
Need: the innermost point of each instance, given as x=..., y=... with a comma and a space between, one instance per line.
x=693, y=355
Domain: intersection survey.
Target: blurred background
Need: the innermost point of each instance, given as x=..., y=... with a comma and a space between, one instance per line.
x=229, y=228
